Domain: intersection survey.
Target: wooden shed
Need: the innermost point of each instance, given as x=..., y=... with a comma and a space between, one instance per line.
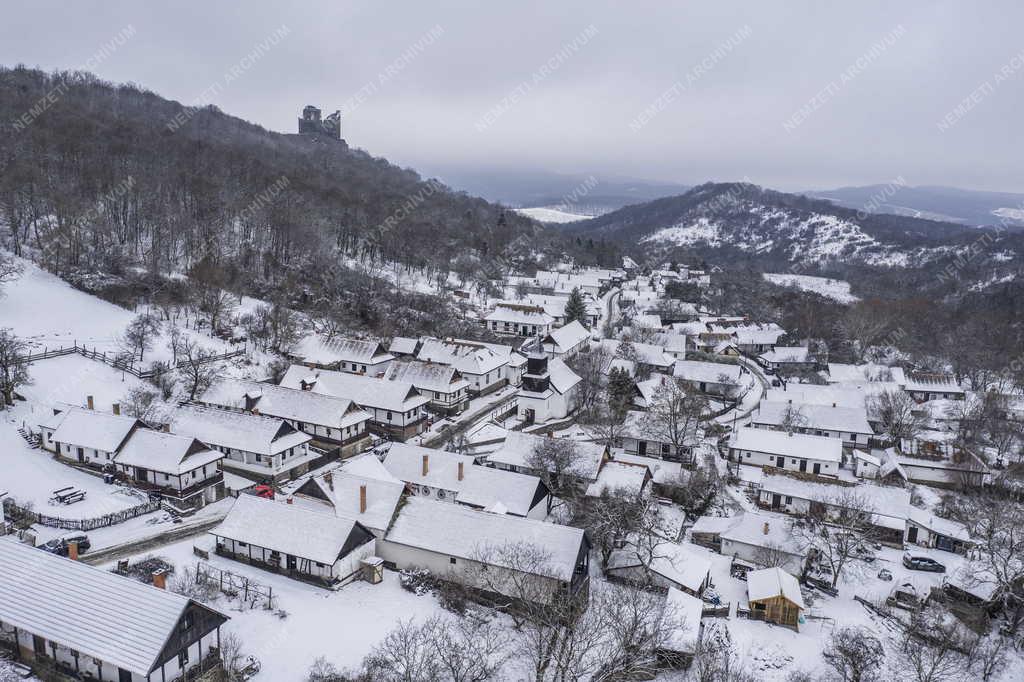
x=774, y=596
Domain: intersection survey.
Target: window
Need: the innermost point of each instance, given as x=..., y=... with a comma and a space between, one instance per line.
x=389, y=416
x=183, y=657
x=451, y=560
x=789, y=499
x=186, y=623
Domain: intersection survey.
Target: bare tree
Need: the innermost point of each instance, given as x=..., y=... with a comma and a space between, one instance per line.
x=933, y=649
x=997, y=527
x=675, y=415
x=196, y=369
x=141, y=334
x=10, y=268
x=13, y=371
x=232, y=657
x=773, y=555
x=285, y=331
x=218, y=306
x=558, y=462
x=844, y=533
x=142, y=403
x=792, y=418
x=898, y=415
x=855, y=654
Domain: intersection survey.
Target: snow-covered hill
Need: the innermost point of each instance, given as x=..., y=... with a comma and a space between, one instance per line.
x=551, y=215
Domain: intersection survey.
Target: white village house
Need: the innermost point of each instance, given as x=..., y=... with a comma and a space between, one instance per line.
x=451, y=477
x=361, y=490
x=516, y=452
x=331, y=421
x=99, y=624
x=819, y=455
x=464, y=546
x=86, y=436
x=713, y=378
x=184, y=471
x=564, y=342
x=518, y=320
x=345, y=355
x=396, y=408
x=848, y=424
x=444, y=385
x=295, y=541
x=751, y=538
x=487, y=367
x=667, y=565
x=259, y=448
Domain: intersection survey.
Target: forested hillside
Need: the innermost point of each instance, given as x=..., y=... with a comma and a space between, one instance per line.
x=97, y=178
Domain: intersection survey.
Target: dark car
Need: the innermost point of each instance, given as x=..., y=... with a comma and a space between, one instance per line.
x=60, y=545
x=922, y=563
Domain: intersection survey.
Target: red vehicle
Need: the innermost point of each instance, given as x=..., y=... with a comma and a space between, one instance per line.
x=264, y=491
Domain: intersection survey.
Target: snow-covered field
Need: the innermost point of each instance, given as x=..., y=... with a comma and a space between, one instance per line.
x=836, y=289
x=32, y=475
x=552, y=215
x=341, y=626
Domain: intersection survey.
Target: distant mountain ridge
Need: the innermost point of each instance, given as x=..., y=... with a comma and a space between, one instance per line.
x=781, y=229
x=950, y=204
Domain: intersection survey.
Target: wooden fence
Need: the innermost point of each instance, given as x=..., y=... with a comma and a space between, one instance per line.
x=82, y=524
x=118, y=362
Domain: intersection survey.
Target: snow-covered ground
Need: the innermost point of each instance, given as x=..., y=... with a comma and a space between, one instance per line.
x=30, y=475
x=836, y=289
x=341, y=626
x=551, y=215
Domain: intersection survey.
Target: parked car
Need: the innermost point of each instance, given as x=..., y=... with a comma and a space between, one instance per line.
x=922, y=563
x=60, y=545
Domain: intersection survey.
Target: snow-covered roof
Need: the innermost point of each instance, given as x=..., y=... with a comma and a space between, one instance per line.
x=753, y=335
x=671, y=342
x=370, y=392
x=662, y=471
x=466, y=356
x=619, y=476
x=857, y=374
x=646, y=353
x=795, y=445
x=166, y=453
x=322, y=351
x=561, y=375
x=713, y=525
x=932, y=383
x=824, y=417
x=784, y=354
x=91, y=429
x=773, y=582
x=682, y=564
x=479, y=486
x=403, y=345
x=236, y=430
x=457, y=531
x=883, y=500
x=286, y=528
x=567, y=336
x=427, y=376
x=518, y=446
x=938, y=525
x=749, y=528
x=341, y=490
x=284, y=402
x=519, y=314
x=100, y=614
x=812, y=394
x=707, y=372
x=685, y=612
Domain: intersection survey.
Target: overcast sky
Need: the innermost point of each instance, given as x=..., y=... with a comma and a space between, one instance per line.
x=793, y=95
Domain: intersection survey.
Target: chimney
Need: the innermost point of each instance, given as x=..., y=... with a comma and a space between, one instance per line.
x=425, y=464
x=461, y=470
x=89, y=402
x=362, y=498
x=329, y=480
x=160, y=578
x=73, y=550
x=289, y=500
x=117, y=408
x=766, y=528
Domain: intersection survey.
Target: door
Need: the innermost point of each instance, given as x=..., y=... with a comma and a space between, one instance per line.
x=641, y=447
x=38, y=645
x=81, y=455
x=140, y=474
x=776, y=500
x=912, y=535
x=123, y=675
x=817, y=467
x=803, y=465
x=290, y=562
